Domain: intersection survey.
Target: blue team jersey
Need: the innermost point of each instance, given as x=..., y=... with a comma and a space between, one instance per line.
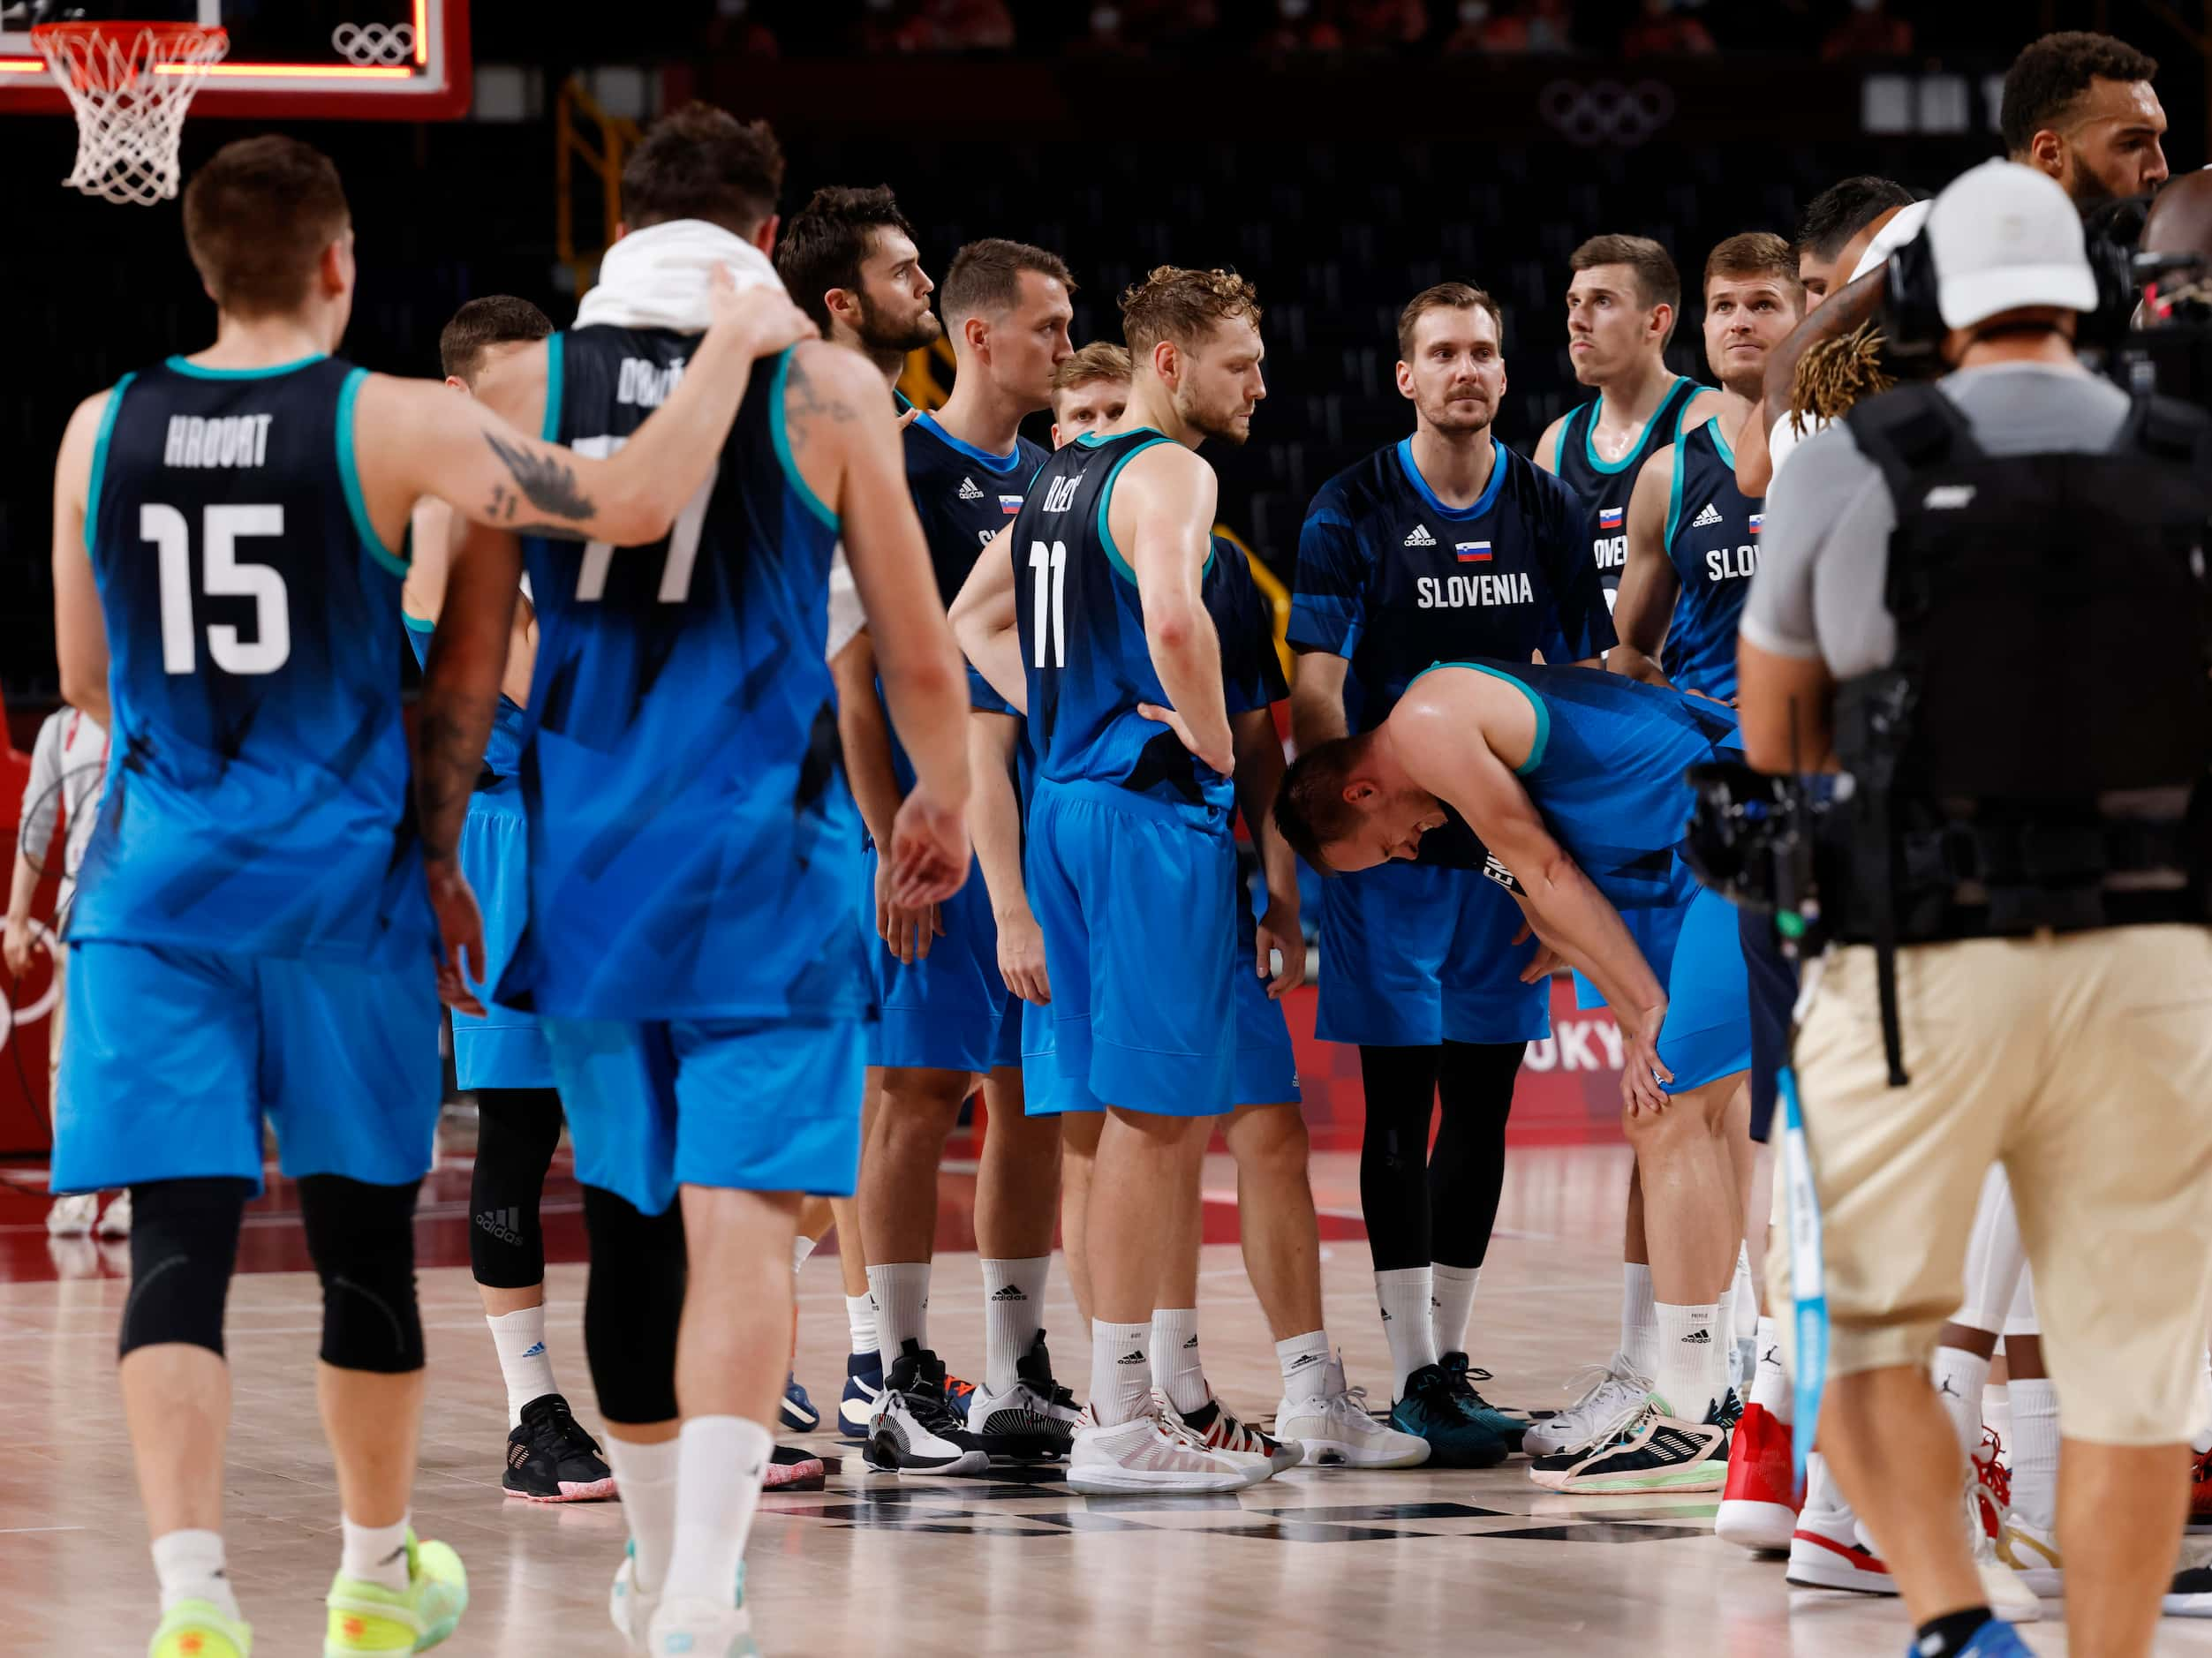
x=258, y=797
x=1251, y=669
x=964, y=496
x=1393, y=580
x=502, y=750
x=692, y=845
x=1607, y=773
x=1605, y=487
x=1712, y=540
x=1081, y=628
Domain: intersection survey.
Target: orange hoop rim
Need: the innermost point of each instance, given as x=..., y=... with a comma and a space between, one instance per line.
x=141, y=42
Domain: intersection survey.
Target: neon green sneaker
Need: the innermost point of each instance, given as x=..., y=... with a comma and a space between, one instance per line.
x=198, y=1628
x=367, y=1618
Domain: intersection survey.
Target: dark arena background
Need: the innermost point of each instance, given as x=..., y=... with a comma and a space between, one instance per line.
x=1343, y=155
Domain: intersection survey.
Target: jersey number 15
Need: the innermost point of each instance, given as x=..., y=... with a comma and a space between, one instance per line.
x=224, y=574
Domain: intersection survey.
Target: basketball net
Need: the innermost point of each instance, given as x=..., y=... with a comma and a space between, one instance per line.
x=129, y=85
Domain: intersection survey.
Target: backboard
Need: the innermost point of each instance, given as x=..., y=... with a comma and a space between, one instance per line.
x=403, y=60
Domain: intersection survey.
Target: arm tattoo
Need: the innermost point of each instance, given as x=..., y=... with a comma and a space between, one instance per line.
x=547, y=482
x=802, y=405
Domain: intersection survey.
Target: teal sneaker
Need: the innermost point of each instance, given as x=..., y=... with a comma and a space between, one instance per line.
x=1507, y=1425
x=367, y=1618
x=1443, y=1413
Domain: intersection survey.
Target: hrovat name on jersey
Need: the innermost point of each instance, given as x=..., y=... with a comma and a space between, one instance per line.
x=1462, y=592
x=645, y=384
x=224, y=441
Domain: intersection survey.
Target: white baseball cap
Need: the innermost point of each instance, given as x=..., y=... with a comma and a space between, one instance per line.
x=2006, y=237
x=1904, y=224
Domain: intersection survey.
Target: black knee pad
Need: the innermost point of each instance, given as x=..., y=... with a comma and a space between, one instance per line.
x=184, y=1246
x=518, y=1131
x=362, y=1237
x=633, y=1307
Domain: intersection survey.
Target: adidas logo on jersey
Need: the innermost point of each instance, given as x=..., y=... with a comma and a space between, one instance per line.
x=1007, y=1292
x=1710, y=515
x=968, y=490
x=1419, y=536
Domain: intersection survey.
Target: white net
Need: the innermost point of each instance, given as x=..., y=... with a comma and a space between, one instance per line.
x=129, y=85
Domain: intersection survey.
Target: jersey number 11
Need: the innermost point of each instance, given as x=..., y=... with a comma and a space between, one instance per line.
x=1051, y=614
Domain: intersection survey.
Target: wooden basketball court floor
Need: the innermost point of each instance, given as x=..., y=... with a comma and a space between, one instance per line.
x=1410, y=1562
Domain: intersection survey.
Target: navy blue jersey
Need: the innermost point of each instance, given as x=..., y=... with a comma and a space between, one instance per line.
x=1082, y=626
x=1251, y=668
x=1712, y=540
x=1605, y=487
x=964, y=496
x=1392, y=579
x=693, y=850
x=258, y=795
x=1607, y=773
x=503, y=749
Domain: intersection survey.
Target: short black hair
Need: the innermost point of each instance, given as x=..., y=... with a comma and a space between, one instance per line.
x=1310, y=810
x=493, y=320
x=2051, y=73
x=987, y=277
x=701, y=162
x=826, y=240
x=1844, y=209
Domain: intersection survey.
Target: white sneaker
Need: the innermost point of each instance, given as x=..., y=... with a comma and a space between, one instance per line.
x=2010, y=1597
x=630, y=1609
x=117, y=1222
x=1220, y=1430
x=1614, y=1392
x=1337, y=1430
x=2032, y=1553
x=1154, y=1454
x=694, y=1628
x=1826, y=1550
x=72, y=1216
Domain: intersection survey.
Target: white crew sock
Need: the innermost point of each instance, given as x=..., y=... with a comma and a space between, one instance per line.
x=801, y=1247
x=190, y=1567
x=521, y=1340
x=2035, y=1452
x=1692, y=1367
x=1177, y=1370
x=1743, y=1316
x=375, y=1553
x=1121, y=1372
x=1409, y=1321
x=901, y=1293
x=860, y=1319
x=717, y=1488
x=1771, y=1387
x=1305, y=1363
x=1451, y=1302
x=1012, y=1312
x=645, y=1476
x=1959, y=1377
x=1639, y=1322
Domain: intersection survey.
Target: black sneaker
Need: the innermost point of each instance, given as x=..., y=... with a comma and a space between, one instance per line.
x=1035, y=1419
x=915, y=1428
x=550, y=1459
x=1437, y=1409
x=1507, y=1425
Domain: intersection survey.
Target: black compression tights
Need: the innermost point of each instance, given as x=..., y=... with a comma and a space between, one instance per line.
x=518, y=1130
x=1424, y=1207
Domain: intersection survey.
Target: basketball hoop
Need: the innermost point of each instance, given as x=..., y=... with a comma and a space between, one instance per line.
x=129, y=84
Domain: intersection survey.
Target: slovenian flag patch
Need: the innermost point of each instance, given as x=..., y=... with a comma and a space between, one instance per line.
x=1609, y=518
x=1474, y=552
x=1009, y=504
x=1755, y=517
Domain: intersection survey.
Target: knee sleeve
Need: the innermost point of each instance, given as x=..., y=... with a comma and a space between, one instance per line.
x=184, y=1246
x=518, y=1130
x=1399, y=1083
x=362, y=1239
x=1467, y=1170
x=632, y=1306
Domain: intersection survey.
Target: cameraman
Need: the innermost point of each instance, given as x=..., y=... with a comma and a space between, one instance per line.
x=1999, y=570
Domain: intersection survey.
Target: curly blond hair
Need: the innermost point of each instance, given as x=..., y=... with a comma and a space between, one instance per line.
x=1179, y=305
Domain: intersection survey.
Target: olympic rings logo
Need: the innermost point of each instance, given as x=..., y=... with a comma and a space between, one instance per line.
x=370, y=44
x=1605, y=112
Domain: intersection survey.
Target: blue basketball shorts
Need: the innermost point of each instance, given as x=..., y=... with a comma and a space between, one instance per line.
x=505, y=1048
x=746, y=1105
x=952, y=1011
x=1413, y=955
x=1137, y=899
x=175, y=1057
x=1772, y=977
x=1707, y=1035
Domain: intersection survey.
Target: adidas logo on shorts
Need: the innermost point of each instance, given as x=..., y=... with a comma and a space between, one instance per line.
x=1007, y=1292
x=1710, y=515
x=968, y=490
x=1420, y=537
